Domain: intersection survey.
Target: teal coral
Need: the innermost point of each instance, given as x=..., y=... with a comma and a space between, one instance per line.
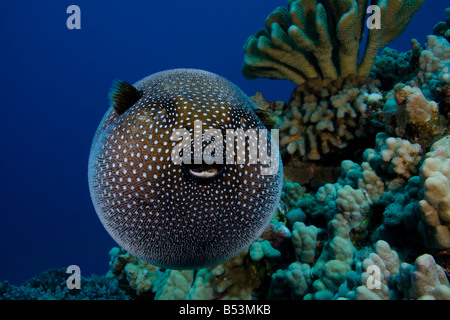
x=337, y=235
x=392, y=67
x=312, y=39
x=443, y=28
x=229, y=280
x=51, y=285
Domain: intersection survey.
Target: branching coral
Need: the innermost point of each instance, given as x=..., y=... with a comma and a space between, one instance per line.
x=387, y=263
x=323, y=116
x=424, y=280
x=337, y=239
x=381, y=276
x=395, y=156
x=435, y=207
x=314, y=38
x=392, y=67
x=304, y=239
x=174, y=285
x=434, y=67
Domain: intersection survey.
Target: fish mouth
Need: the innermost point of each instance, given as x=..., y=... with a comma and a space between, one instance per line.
x=202, y=173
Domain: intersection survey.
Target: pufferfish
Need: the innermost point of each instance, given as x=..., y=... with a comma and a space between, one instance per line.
x=189, y=214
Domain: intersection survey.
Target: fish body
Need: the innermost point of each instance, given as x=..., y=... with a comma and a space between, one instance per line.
x=179, y=215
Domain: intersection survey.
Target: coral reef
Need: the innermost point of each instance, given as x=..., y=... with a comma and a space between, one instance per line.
x=325, y=122
x=392, y=67
x=434, y=66
x=394, y=156
x=51, y=285
x=417, y=118
x=443, y=28
x=340, y=238
x=371, y=217
x=313, y=38
x=422, y=280
x=435, y=178
x=324, y=115
x=336, y=243
x=328, y=117
x=424, y=68
x=336, y=110
x=233, y=279
x=425, y=280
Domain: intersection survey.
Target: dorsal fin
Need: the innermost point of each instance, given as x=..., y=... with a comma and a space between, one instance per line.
x=123, y=95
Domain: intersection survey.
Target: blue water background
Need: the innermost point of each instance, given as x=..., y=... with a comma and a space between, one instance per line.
x=53, y=93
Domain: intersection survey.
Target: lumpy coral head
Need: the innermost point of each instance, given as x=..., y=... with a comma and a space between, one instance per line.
x=318, y=38
x=192, y=213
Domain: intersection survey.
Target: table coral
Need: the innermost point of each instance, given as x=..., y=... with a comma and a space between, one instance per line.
x=311, y=39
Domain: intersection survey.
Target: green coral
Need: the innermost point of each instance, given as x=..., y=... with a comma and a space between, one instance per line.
x=316, y=38
x=443, y=28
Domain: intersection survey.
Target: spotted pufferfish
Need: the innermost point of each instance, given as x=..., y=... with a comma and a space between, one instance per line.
x=178, y=216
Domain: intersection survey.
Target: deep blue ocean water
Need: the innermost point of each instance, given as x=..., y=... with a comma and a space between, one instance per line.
x=53, y=93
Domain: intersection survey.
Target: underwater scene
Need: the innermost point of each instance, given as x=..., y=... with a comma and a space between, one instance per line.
x=246, y=150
